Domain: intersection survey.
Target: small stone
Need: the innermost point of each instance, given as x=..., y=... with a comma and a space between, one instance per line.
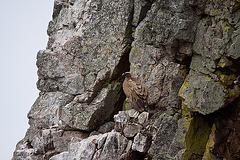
x=132, y=113
x=107, y=127
x=132, y=129
x=114, y=146
x=140, y=143
x=120, y=120
x=143, y=117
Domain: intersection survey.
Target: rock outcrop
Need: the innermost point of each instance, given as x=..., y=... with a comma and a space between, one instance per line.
x=187, y=52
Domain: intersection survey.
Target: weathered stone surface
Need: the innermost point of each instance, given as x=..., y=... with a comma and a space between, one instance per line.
x=26, y=154
x=101, y=141
x=103, y=146
x=114, y=146
x=162, y=42
x=234, y=48
x=202, y=94
x=197, y=133
x=97, y=154
x=140, y=10
x=61, y=139
x=143, y=117
x=227, y=133
x=107, y=127
x=202, y=64
x=45, y=111
x=78, y=37
x=126, y=122
x=154, y=72
x=86, y=148
x=156, y=37
x=61, y=156
x=208, y=154
x=168, y=143
x=121, y=120
x=129, y=146
x=131, y=129
x=132, y=113
x=47, y=142
x=140, y=143
x=87, y=116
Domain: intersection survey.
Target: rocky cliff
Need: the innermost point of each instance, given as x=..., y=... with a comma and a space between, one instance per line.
x=187, y=52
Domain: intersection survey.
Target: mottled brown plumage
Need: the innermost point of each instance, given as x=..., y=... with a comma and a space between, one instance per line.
x=136, y=92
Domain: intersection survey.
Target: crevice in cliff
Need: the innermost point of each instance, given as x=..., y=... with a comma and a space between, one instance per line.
x=226, y=135
x=124, y=63
x=145, y=9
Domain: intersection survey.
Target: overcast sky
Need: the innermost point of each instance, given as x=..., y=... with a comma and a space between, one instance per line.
x=22, y=33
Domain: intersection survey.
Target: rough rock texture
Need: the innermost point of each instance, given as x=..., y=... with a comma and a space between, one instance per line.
x=187, y=52
x=202, y=94
x=110, y=145
x=168, y=143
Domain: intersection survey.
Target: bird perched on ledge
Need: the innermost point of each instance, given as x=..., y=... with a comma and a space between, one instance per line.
x=136, y=92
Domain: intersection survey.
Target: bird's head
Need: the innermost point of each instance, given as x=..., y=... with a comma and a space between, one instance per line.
x=127, y=75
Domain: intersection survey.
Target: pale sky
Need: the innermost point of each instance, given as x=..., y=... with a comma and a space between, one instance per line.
x=23, y=30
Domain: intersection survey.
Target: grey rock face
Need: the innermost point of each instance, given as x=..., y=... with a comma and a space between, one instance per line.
x=168, y=143
x=202, y=94
x=26, y=154
x=79, y=41
x=186, y=49
x=107, y=127
x=114, y=144
x=127, y=122
x=45, y=111
x=42, y=144
x=130, y=130
x=75, y=115
x=84, y=54
x=103, y=146
x=79, y=72
x=155, y=44
x=61, y=156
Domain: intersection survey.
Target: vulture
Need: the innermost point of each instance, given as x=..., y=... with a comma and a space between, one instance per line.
x=136, y=92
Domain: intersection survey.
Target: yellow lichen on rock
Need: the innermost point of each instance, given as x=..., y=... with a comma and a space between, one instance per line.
x=125, y=104
x=224, y=62
x=196, y=138
x=210, y=146
x=227, y=79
